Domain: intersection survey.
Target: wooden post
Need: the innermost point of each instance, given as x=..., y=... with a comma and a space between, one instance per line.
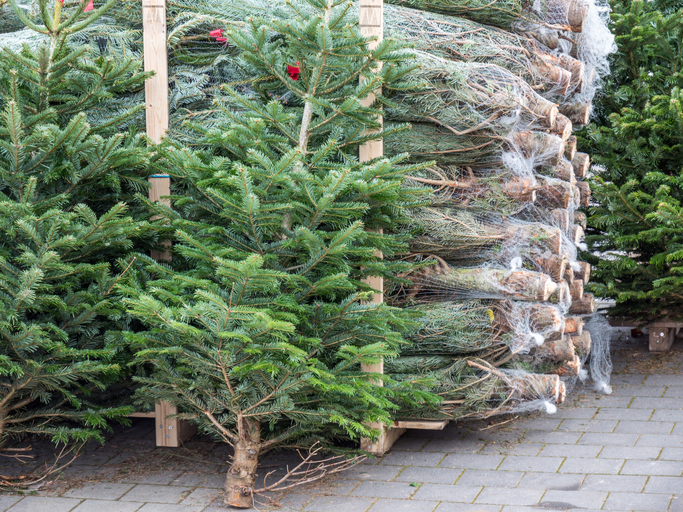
x=169, y=432
x=371, y=21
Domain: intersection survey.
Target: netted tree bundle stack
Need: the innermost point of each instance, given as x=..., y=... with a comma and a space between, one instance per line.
x=474, y=189
x=559, y=14
x=469, y=99
x=465, y=40
x=473, y=388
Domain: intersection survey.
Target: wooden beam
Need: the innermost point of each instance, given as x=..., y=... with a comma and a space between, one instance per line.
x=169, y=432
x=422, y=425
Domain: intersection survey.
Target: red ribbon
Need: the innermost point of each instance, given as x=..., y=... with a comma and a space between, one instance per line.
x=294, y=71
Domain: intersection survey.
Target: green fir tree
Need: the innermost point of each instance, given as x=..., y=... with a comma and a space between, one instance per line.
x=259, y=332
x=64, y=175
x=636, y=221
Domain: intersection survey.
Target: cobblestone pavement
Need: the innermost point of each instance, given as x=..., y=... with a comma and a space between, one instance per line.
x=618, y=453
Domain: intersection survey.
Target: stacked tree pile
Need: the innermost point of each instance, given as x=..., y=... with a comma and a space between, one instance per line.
x=499, y=289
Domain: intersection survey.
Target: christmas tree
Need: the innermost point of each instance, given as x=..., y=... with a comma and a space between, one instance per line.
x=259, y=332
x=64, y=174
x=636, y=220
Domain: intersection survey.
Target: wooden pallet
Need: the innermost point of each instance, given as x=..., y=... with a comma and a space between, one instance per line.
x=662, y=333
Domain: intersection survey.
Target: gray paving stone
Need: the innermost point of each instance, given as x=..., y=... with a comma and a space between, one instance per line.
x=653, y=467
x=429, y=475
x=107, y=506
x=159, y=507
x=555, y=481
x=587, y=426
x=663, y=484
x=678, y=429
x=503, y=496
x=471, y=461
x=547, y=424
x=439, y=492
x=333, y=504
x=8, y=501
x=674, y=392
x=630, y=452
x=515, y=508
x=474, y=477
x=467, y=507
x=368, y=472
x=536, y=464
x=332, y=486
x=202, y=496
x=656, y=391
x=539, y=436
x=660, y=440
x=646, y=402
x=570, y=450
x=383, y=505
x=635, y=501
x=592, y=466
x=153, y=477
x=156, y=493
x=676, y=503
x=644, y=427
x=671, y=454
x=663, y=380
x=44, y=504
x=99, y=491
x=191, y=479
x=573, y=499
x=529, y=449
x=384, y=490
x=428, y=459
x=608, y=413
x=614, y=483
x=454, y=446
x=612, y=439
x=667, y=415
x=606, y=401
x=579, y=413
x=293, y=500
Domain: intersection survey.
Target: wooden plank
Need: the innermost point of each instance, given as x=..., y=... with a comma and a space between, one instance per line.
x=170, y=432
x=371, y=24
x=422, y=425
x=142, y=415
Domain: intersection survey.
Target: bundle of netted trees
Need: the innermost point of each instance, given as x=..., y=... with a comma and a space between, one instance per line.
x=496, y=284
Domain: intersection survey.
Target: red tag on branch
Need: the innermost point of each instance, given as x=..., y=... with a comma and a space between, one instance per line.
x=294, y=71
x=218, y=34
x=89, y=7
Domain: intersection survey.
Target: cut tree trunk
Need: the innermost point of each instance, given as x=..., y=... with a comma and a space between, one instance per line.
x=554, y=74
x=555, y=266
x=582, y=343
x=239, y=482
x=573, y=325
x=570, y=148
x=585, y=190
x=545, y=318
x=543, y=147
x=560, y=217
x=583, y=272
x=561, y=294
x=569, y=368
x=578, y=113
x=560, y=349
x=578, y=12
x=581, y=163
x=583, y=306
x=554, y=193
x=578, y=234
x=581, y=219
x=562, y=127
x=577, y=290
x=562, y=171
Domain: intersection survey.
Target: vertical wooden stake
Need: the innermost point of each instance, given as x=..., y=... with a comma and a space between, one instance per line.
x=371, y=21
x=169, y=432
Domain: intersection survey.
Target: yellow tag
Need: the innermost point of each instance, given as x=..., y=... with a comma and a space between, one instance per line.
x=490, y=312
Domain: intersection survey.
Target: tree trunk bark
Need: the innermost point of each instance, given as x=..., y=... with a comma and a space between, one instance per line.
x=569, y=368
x=581, y=219
x=585, y=190
x=578, y=113
x=239, y=482
x=554, y=266
x=570, y=148
x=578, y=234
x=545, y=147
x=573, y=325
x=577, y=14
x=577, y=290
x=584, y=272
x=559, y=349
x=583, y=306
x=562, y=127
x=554, y=193
x=561, y=294
x=555, y=74
x=562, y=171
x=581, y=162
x=582, y=343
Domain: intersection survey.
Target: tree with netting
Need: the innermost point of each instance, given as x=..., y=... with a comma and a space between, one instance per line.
x=636, y=221
x=259, y=331
x=65, y=174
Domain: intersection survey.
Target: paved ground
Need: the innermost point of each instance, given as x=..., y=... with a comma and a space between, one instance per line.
x=620, y=452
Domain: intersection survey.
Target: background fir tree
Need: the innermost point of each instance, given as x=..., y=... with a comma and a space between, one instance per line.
x=63, y=226
x=278, y=225
x=636, y=223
